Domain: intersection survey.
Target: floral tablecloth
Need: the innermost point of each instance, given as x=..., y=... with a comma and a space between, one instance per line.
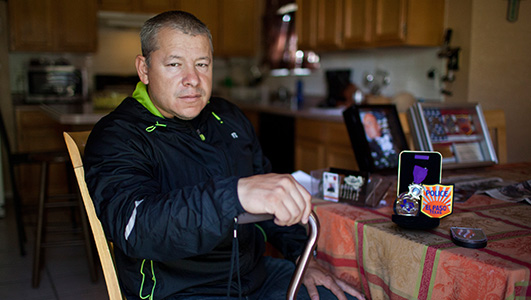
x=366, y=249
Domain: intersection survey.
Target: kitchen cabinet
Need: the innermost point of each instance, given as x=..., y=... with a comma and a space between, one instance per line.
x=38, y=132
x=306, y=24
x=234, y=24
x=239, y=27
x=329, y=25
x=408, y=22
x=53, y=25
x=333, y=24
x=356, y=23
x=139, y=6
x=322, y=144
x=208, y=12
x=351, y=24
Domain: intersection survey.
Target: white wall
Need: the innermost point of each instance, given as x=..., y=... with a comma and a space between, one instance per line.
x=495, y=64
x=500, y=67
x=407, y=67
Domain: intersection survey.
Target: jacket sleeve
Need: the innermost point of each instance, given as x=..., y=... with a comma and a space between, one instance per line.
x=137, y=216
x=289, y=240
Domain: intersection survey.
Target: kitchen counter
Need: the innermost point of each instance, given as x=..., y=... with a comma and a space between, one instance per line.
x=326, y=114
x=85, y=114
x=74, y=114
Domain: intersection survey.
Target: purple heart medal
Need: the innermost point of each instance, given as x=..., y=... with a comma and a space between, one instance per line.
x=407, y=204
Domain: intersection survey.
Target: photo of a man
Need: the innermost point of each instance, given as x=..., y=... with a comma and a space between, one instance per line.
x=380, y=141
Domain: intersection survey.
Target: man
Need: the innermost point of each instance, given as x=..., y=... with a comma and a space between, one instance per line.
x=381, y=145
x=171, y=168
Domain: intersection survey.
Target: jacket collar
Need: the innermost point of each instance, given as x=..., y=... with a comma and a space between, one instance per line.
x=141, y=95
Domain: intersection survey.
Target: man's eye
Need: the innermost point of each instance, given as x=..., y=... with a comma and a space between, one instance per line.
x=202, y=65
x=174, y=64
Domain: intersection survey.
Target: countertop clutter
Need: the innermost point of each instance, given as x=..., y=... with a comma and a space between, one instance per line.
x=312, y=138
x=88, y=114
x=74, y=114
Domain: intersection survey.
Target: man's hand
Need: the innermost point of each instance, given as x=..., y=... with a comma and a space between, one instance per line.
x=316, y=275
x=277, y=194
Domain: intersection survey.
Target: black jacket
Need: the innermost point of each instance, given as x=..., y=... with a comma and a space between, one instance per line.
x=165, y=191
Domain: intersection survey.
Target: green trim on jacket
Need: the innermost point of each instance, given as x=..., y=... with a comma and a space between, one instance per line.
x=141, y=95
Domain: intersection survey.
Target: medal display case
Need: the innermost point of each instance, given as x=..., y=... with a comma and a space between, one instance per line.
x=457, y=131
x=421, y=200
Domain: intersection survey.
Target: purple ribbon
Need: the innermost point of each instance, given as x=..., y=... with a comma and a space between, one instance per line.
x=419, y=174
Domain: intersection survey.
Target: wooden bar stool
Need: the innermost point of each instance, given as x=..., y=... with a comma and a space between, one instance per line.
x=72, y=200
x=48, y=202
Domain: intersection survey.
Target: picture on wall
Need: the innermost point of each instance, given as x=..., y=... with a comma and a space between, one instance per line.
x=376, y=136
x=457, y=131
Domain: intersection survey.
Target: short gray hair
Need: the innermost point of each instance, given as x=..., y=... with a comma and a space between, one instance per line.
x=180, y=20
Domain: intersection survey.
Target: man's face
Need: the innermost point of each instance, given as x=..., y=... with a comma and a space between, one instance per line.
x=179, y=78
x=372, y=129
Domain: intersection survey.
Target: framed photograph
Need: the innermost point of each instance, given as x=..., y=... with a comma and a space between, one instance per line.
x=457, y=131
x=376, y=136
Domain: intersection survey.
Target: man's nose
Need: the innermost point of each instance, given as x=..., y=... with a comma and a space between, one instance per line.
x=191, y=78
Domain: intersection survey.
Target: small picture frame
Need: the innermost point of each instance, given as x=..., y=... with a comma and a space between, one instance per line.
x=457, y=131
x=348, y=186
x=376, y=136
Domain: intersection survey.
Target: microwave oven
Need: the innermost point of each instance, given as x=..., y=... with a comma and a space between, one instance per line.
x=56, y=83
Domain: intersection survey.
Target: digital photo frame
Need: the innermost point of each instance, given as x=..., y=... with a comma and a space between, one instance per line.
x=376, y=136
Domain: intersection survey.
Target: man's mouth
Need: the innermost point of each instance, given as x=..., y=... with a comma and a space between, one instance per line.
x=190, y=96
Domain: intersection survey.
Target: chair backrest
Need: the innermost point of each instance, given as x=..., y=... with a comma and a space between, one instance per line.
x=75, y=142
x=498, y=132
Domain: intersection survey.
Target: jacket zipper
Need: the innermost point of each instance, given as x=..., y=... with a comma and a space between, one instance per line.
x=198, y=132
x=201, y=136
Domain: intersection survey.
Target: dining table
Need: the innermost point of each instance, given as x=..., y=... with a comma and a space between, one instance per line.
x=365, y=248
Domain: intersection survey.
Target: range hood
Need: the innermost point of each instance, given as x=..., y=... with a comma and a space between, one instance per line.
x=122, y=19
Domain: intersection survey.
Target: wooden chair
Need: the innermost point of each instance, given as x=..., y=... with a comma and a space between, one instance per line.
x=75, y=142
x=498, y=133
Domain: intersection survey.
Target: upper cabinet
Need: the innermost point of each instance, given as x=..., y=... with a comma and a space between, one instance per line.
x=408, y=22
x=53, y=25
x=234, y=24
x=208, y=12
x=71, y=25
x=139, y=6
x=239, y=27
x=350, y=24
x=306, y=24
x=356, y=23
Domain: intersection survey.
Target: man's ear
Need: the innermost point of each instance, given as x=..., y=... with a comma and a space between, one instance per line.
x=142, y=69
